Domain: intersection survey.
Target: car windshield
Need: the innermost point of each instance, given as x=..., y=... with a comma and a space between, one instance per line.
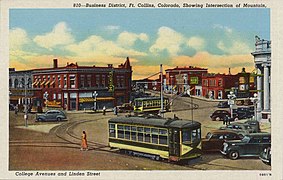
x=246, y=139
x=208, y=135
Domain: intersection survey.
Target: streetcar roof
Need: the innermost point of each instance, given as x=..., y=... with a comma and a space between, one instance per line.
x=159, y=122
x=148, y=98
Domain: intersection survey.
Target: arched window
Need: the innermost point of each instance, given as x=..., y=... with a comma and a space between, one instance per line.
x=23, y=83
x=16, y=83
x=29, y=83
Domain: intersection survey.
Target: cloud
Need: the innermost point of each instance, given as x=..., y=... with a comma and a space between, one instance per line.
x=60, y=35
x=237, y=47
x=127, y=39
x=196, y=43
x=112, y=28
x=168, y=39
x=18, y=38
x=96, y=46
x=216, y=63
x=225, y=28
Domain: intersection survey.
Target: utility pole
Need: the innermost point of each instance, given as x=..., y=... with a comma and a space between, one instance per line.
x=161, y=91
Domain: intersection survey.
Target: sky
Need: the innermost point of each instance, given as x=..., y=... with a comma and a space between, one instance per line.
x=210, y=38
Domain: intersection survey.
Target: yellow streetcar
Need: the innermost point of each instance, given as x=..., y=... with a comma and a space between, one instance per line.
x=157, y=138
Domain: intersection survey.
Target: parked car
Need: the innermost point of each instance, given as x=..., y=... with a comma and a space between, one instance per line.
x=241, y=128
x=265, y=156
x=251, y=145
x=223, y=104
x=244, y=112
x=126, y=107
x=51, y=115
x=219, y=115
x=254, y=124
x=214, y=140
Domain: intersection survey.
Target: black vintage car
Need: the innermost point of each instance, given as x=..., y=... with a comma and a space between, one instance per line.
x=223, y=104
x=214, y=140
x=251, y=145
x=265, y=156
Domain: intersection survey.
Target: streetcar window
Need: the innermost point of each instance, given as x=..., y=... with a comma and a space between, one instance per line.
x=186, y=136
x=162, y=131
x=133, y=128
x=163, y=140
x=147, y=137
x=127, y=128
x=154, y=139
x=133, y=136
x=120, y=134
x=195, y=134
x=140, y=129
x=140, y=137
x=111, y=133
x=138, y=103
x=154, y=131
x=121, y=127
x=111, y=126
x=147, y=130
x=127, y=135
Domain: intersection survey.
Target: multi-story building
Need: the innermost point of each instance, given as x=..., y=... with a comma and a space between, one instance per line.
x=217, y=86
x=20, y=87
x=75, y=87
x=262, y=59
x=247, y=85
x=183, y=78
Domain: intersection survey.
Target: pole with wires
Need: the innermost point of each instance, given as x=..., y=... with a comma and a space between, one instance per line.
x=161, y=91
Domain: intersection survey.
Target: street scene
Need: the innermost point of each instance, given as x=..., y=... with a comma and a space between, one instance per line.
x=153, y=94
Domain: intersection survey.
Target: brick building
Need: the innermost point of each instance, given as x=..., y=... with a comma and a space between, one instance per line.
x=72, y=87
x=217, y=86
x=181, y=78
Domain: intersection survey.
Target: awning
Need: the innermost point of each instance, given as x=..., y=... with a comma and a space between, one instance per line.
x=47, y=83
x=90, y=99
x=42, y=83
x=52, y=83
x=34, y=82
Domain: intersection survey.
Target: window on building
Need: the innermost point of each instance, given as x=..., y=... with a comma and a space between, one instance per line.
x=88, y=80
x=97, y=80
x=82, y=81
x=122, y=81
x=59, y=96
x=65, y=81
x=72, y=80
x=16, y=83
x=103, y=81
x=59, y=81
x=54, y=96
x=220, y=83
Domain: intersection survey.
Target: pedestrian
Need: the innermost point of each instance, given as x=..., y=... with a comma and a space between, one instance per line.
x=84, y=142
x=228, y=120
x=16, y=110
x=104, y=110
x=115, y=110
x=225, y=120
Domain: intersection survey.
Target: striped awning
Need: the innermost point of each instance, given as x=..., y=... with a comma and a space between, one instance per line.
x=34, y=82
x=90, y=99
x=42, y=83
x=52, y=83
x=47, y=83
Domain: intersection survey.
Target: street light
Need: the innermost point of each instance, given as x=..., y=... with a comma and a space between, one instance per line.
x=171, y=77
x=94, y=95
x=231, y=102
x=45, y=96
x=255, y=101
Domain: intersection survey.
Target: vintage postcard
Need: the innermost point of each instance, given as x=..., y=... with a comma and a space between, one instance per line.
x=138, y=90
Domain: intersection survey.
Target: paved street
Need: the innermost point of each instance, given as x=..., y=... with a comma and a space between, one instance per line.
x=56, y=145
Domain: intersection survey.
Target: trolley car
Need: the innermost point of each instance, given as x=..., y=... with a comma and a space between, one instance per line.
x=150, y=104
x=157, y=138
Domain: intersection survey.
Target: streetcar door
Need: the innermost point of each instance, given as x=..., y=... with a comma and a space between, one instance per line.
x=174, y=142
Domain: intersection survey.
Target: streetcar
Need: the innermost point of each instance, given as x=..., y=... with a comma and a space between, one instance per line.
x=150, y=105
x=156, y=138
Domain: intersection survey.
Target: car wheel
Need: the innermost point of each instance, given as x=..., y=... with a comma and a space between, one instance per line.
x=39, y=119
x=234, y=155
x=217, y=118
x=59, y=119
x=236, y=119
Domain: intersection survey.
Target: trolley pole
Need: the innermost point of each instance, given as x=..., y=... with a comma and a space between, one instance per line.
x=161, y=90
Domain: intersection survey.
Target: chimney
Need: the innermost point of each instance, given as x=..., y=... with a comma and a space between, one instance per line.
x=243, y=70
x=55, y=63
x=110, y=65
x=229, y=73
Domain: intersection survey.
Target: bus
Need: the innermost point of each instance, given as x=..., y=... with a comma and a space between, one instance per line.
x=156, y=138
